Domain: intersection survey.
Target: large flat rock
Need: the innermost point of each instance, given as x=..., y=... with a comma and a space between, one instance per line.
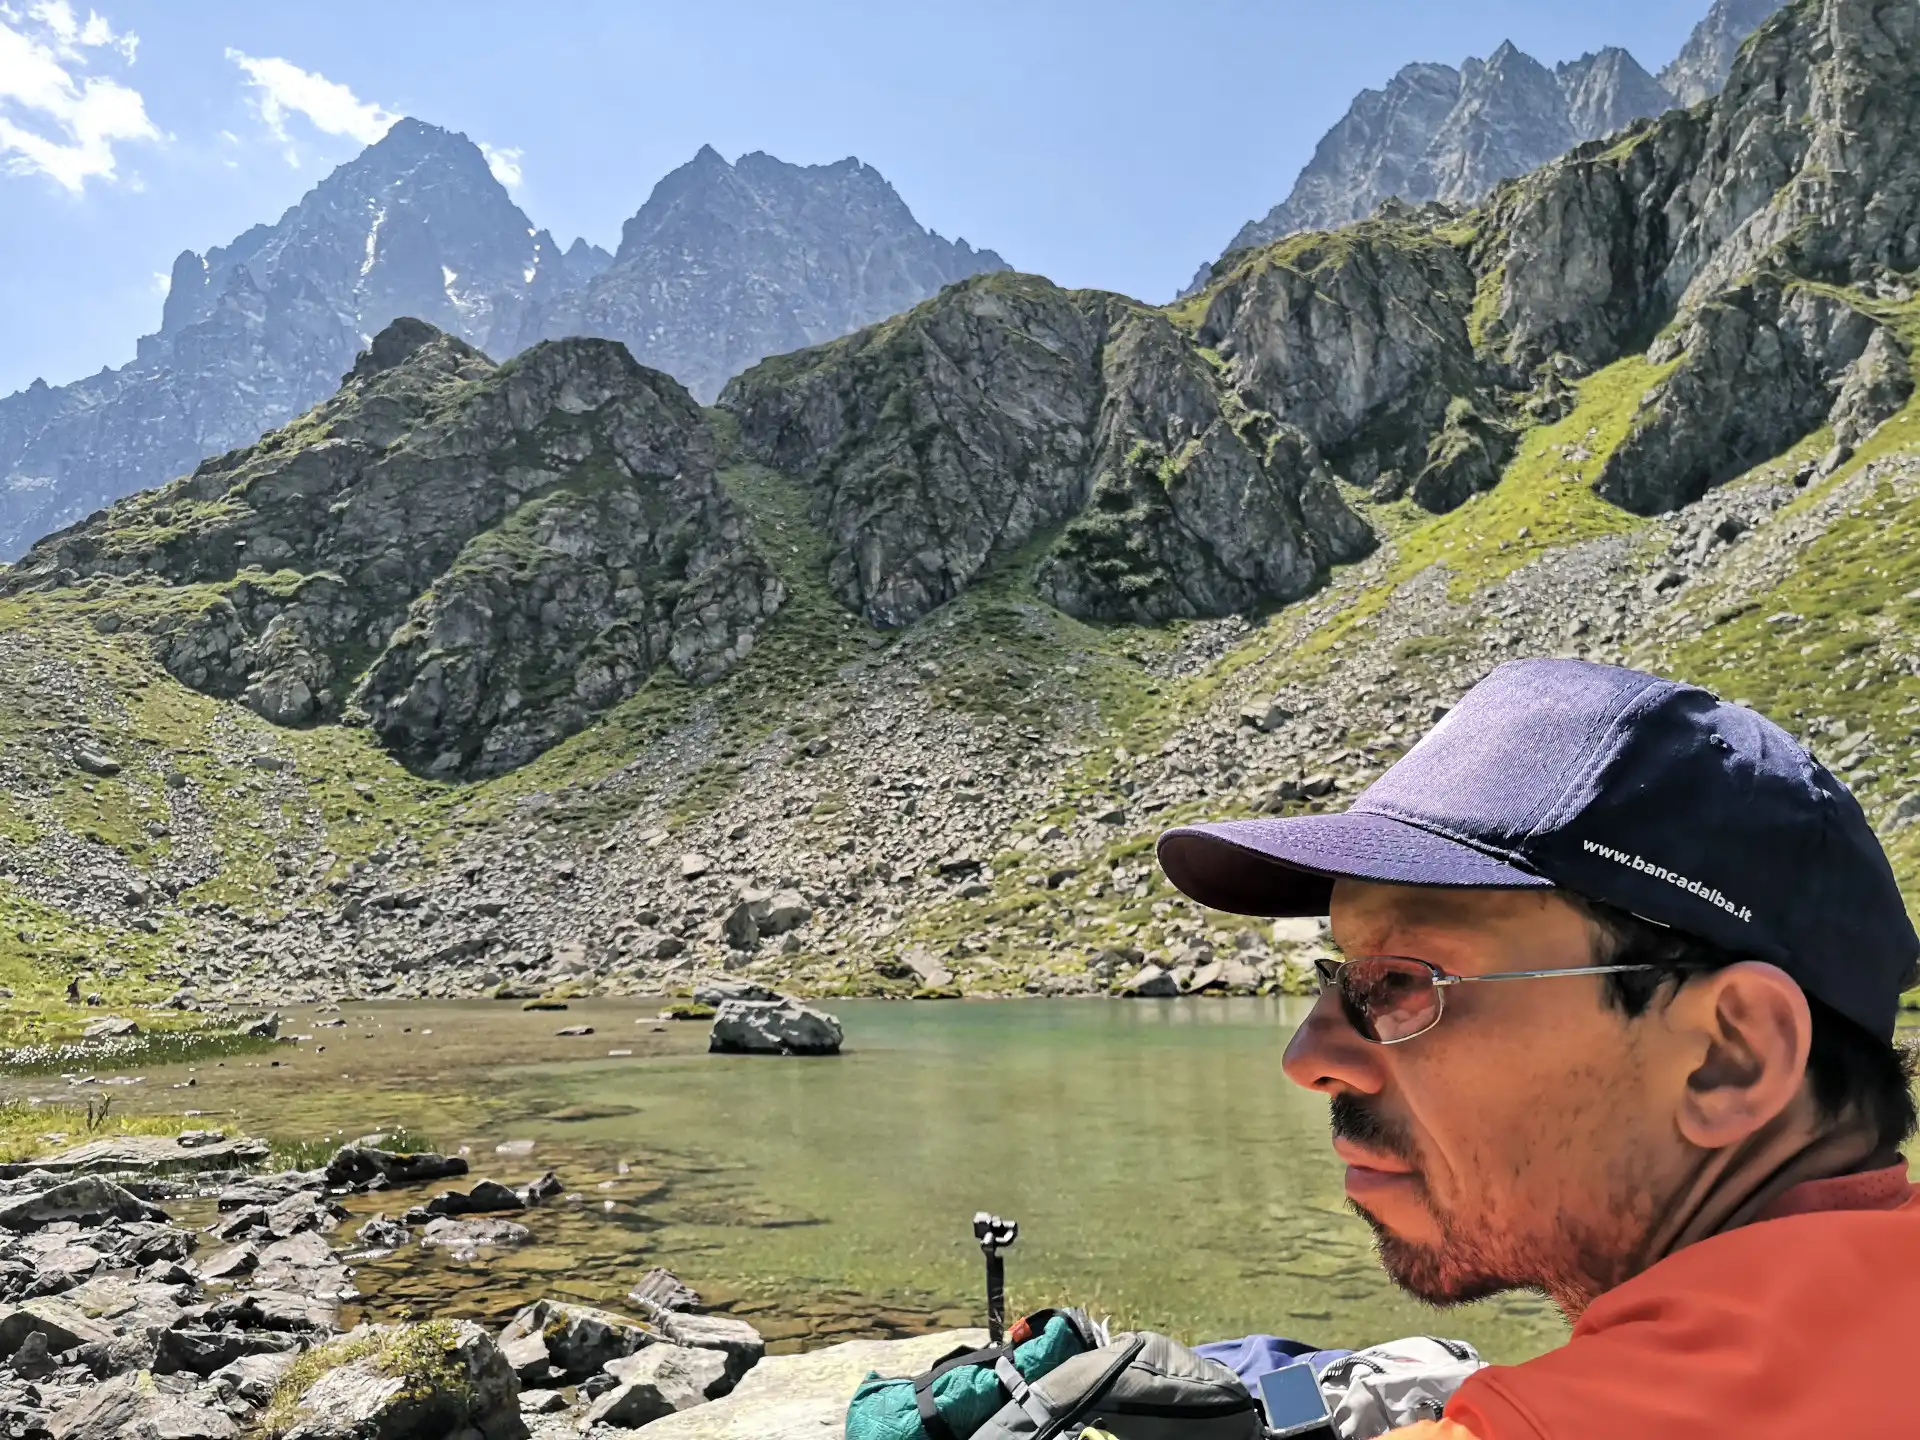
x=144, y=1155
x=804, y=1397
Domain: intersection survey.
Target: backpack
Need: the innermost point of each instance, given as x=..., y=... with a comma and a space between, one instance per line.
x=1383, y=1387
x=963, y=1391
x=1141, y=1386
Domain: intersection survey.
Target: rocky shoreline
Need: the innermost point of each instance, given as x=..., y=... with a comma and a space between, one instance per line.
x=116, y=1319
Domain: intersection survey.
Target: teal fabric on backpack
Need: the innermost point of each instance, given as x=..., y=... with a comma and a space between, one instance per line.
x=966, y=1396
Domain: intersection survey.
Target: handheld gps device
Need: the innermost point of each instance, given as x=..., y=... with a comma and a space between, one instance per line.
x=1295, y=1407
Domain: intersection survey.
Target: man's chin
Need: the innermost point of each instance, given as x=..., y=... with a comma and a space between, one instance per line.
x=1429, y=1272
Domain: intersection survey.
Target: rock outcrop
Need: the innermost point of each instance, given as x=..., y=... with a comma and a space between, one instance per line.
x=1701, y=67
x=947, y=440
x=476, y=559
x=1760, y=243
x=727, y=264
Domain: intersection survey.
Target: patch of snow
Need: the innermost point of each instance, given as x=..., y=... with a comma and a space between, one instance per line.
x=373, y=238
x=531, y=271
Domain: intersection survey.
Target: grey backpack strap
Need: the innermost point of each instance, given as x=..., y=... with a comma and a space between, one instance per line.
x=1016, y=1385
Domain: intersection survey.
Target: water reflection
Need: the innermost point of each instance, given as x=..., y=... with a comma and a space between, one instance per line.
x=1162, y=1168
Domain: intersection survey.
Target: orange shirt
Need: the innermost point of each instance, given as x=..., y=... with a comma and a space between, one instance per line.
x=1804, y=1323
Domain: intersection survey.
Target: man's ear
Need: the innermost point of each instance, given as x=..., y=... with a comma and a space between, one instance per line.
x=1750, y=1028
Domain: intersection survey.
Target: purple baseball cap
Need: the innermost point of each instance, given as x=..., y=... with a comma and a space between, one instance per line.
x=1621, y=787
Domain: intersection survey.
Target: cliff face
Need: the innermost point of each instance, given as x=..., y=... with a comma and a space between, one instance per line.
x=727, y=264
x=474, y=560
x=965, y=430
x=1767, y=233
x=1437, y=133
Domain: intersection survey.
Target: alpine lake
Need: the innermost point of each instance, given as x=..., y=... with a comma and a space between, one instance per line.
x=1164, y=1172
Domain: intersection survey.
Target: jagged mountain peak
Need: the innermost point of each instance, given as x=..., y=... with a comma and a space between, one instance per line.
x=726, y=264
x=1607, y=90
x=1434, y=132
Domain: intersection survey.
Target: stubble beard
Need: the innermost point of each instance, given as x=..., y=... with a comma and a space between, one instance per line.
x=1476, y=1257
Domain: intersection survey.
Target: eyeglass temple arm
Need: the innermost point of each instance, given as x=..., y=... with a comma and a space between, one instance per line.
x=1444, y=980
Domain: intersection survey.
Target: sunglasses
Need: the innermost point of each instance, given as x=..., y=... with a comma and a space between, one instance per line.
x=1391, y=998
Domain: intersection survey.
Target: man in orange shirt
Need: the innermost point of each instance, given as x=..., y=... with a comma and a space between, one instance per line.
x=1614, y=1022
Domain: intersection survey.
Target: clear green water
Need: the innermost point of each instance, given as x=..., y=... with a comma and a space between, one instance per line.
x=1161, y=1166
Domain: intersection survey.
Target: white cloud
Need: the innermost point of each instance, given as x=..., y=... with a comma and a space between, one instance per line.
x=504, y=161
x=71, y=35
x=282, y=88
x=55, y=120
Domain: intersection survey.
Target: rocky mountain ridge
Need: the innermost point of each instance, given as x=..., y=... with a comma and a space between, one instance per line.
x=1435, y=132
x=725, y=264
x=986, y=687
x=475, y=560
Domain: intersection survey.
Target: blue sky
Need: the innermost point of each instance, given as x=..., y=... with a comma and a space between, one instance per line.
x=1114, y=144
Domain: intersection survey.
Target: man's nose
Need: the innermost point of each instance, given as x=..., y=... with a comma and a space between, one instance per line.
x=1328, y=1055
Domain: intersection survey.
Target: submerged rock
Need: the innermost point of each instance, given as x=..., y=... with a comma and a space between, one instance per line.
x=358, y=1164
x=773, y=1027
x=448, y=1233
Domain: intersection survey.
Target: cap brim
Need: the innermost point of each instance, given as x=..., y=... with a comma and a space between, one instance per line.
x=1287, y=867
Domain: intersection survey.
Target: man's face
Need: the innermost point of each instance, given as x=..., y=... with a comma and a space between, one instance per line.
x=1523, y=1142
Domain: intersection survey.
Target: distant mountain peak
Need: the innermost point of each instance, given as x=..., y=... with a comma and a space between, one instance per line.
x=1436, y=132
x=724, y=265
x=727, y=264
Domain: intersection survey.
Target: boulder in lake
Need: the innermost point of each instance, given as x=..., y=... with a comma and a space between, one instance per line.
x=661, y=1292
x=383, y=1234
x=483, y=1198
x=773, y=1027
x=417, y=1382
x=579, y=1339
x=359, y=1164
